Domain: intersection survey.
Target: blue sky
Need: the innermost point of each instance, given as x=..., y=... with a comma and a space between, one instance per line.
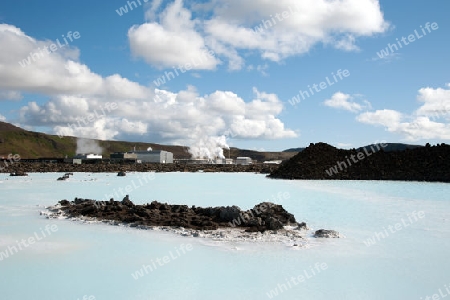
x=240, y=94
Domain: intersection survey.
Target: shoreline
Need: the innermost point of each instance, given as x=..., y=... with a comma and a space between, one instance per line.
x=32, y=167
x=114, y=174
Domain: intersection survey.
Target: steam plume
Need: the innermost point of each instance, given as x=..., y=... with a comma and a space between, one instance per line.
x=209, y=147
x=85, y=146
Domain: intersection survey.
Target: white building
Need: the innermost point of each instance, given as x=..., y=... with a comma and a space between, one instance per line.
x=243, y=161
x=229, y=161
x=157, y=156
x=88, y=156
x=272, y=162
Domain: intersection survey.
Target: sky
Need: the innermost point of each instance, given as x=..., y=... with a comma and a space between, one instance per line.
x=261, y=75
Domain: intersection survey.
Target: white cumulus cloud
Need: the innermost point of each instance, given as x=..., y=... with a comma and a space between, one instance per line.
x=430, y=121
x=344, y=101
x=77, y=101
x=179, y=118
x=274, y=30
x=10, y=95
x=56, y=73
x=172, y=42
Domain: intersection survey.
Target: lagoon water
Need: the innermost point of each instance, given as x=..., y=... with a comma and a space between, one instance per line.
x=97, y=261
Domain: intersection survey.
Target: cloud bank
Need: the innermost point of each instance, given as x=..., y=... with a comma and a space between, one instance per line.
x=144, y=113
x=274, y=30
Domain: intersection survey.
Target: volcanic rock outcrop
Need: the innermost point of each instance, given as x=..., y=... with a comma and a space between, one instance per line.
x=264, y=216
x=65, y=177
x=322, y=161
x=324, y=233
x=18, y=173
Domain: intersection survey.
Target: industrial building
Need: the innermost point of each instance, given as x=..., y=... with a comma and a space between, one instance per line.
x=88, y=156
x=156, y=156
x=84, y=158
x=223, y=161
x=245, y=161
x=205, y=161
x=229, y=161
x=193, y=161
x=149, y=156
x=123, y=157
x=272, y=162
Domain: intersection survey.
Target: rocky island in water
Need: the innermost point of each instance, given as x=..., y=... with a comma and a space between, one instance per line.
x=265, y=222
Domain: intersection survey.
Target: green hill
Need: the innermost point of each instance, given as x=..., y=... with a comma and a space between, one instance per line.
x=29, y=144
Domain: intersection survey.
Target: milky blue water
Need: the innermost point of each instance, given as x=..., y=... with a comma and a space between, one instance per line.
x=96, y=261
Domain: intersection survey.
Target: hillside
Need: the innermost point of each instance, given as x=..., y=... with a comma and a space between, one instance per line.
x=388, y=148
x=322, y=161
x=394, y=147
x=294, y=149
x=29, y=144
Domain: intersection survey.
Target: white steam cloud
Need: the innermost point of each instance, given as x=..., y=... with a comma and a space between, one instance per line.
x=209, y=147
x=86, y=146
